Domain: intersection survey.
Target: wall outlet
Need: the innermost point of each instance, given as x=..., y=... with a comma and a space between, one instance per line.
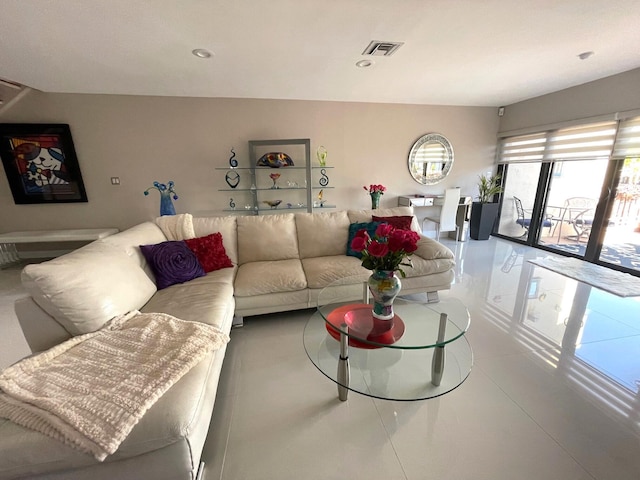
x=115, y=180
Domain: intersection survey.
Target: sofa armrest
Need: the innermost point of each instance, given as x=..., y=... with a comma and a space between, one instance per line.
x=40, y=330
x=430, y=249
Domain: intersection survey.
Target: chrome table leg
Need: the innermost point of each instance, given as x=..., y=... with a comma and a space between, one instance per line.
x=343, y=364
x=437, y=363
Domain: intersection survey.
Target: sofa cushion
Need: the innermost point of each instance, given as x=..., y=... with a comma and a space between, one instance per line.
x=172, y=262
x=367, y=215
x=130, y=240
x=207, y=299
x=402, y=222
x=84, y=289
x=322, y=234
x=226, y=226
x=260, y=278
x=263, y=238
x=354, y=228
x=210, y=252
x=322, y=271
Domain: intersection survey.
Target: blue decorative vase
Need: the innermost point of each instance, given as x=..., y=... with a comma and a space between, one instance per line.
x=384, y=286
x=166, y=204
x=166, y=192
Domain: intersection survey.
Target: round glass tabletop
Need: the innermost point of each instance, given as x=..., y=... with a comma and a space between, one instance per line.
x=397, y=360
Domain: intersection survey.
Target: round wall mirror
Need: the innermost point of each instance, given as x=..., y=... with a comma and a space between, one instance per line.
x=430, y=159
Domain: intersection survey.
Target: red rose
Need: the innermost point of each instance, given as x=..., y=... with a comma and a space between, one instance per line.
x=396, y=241
x=377, y=249
x=384, y=230
x=362, y=233
x=358, y=244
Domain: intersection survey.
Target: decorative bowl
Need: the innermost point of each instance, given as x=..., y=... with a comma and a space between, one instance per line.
x=275, y=160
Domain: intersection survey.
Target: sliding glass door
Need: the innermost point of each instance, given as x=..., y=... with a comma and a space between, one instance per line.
x=572, y=197
x=575, y=191
x=520, y=184
x=621, y=244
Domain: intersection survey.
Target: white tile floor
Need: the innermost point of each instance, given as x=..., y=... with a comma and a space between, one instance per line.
x=549, y=397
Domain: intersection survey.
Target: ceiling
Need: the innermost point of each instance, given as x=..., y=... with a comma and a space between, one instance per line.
x=455, y=52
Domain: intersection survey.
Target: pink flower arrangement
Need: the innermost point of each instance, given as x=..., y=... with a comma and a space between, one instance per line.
x=375, y=189
x=387, y=249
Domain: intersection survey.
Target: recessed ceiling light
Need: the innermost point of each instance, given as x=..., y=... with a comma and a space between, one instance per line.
x=201, y=53
x=585, y=55
x=364, y=63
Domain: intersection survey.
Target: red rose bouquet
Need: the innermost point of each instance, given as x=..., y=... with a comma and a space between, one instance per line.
x=375, y=189
x=387, y=249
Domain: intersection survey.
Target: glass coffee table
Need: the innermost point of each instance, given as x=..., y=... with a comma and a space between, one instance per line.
x=422, y=354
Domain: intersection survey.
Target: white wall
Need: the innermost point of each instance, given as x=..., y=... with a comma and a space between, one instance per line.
x=142, y=139
x=617, y=93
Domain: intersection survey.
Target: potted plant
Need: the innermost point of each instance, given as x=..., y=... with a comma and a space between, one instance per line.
x=485, y=211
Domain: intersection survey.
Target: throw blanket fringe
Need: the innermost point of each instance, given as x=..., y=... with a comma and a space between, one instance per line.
x=177, y=227
x=90, y=391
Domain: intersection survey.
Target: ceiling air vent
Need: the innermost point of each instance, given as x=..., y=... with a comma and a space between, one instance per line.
x=382, y=49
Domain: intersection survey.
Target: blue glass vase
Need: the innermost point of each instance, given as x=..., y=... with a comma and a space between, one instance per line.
x=166, y=204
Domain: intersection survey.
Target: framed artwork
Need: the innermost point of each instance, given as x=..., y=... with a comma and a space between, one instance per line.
x=41, y=164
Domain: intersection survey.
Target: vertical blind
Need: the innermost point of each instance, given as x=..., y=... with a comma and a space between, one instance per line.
x=584, y=142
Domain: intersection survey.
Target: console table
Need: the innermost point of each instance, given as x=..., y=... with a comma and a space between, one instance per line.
x=462, y=215
x=8, y=241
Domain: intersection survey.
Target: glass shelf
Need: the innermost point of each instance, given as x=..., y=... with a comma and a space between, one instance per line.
x=314, y=167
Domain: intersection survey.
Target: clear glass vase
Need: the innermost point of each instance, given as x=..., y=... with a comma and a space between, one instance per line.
x=384, y=286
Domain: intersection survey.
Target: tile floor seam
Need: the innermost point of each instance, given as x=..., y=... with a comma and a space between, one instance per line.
x=227, y=438
x=386, y=431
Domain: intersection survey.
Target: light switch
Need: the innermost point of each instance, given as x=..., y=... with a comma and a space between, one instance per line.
x=115, y=180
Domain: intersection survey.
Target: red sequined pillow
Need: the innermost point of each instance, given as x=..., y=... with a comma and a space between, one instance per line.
x=210, y=252
x=402, y=222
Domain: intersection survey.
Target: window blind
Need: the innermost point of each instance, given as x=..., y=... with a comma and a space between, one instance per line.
x=584, y=142
x=628, y=139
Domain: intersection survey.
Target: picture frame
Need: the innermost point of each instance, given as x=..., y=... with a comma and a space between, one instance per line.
x=40, y=162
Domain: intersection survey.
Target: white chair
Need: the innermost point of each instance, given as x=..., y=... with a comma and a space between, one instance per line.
x=447, y=220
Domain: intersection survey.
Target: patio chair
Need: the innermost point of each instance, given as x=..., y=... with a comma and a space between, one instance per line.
x=524, y=221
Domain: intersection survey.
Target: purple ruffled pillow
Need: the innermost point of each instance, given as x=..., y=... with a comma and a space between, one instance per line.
x=172, y=262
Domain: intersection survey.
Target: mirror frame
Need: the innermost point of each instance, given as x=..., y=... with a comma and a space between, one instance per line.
x=431, y=138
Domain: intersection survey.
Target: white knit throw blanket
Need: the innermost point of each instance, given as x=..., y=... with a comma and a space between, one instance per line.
x=177, y=227
x=90, y=391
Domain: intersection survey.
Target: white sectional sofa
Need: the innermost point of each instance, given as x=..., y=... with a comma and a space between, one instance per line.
x=280, y=262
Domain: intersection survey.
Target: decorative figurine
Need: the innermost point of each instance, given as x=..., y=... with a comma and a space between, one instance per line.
x=232, y=160
x=166, y=191
x=321, y=153
x=232, y=178
x=273, y=203
x=274, y=177
x=324, y=179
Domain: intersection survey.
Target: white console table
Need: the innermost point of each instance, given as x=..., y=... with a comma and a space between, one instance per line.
x=462, y=216
x=8, y=241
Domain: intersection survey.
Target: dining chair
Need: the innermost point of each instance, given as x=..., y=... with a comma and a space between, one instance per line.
x=446, y=222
